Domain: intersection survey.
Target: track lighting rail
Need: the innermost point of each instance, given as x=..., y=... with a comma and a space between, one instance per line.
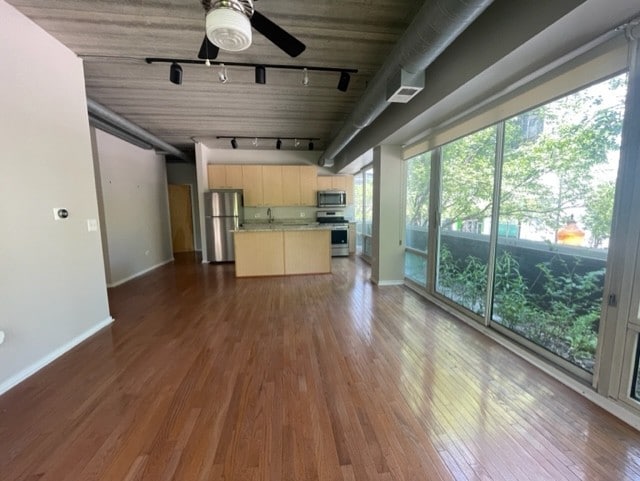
x=151, y=60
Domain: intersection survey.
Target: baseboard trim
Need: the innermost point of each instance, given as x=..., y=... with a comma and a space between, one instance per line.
x=36, y=366
x=387, y=283
x=138, y=274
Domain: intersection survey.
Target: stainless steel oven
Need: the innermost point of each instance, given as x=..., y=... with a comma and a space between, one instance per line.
x=339, y=231
x=339, y=240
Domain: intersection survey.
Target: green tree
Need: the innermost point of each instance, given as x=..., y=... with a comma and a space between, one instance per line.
x=598, y=212
x=551, y=161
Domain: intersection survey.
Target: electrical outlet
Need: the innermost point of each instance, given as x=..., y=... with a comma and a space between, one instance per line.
x=256, y=215
x=302, y=214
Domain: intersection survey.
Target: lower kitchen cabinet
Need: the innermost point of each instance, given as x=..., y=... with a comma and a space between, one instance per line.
x=259, y=253
x=282, y=252
x=351, y=238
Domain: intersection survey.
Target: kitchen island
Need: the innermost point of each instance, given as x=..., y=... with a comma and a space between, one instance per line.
x=279, y=249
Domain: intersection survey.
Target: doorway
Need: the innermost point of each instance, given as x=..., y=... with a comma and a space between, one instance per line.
x=181, y=212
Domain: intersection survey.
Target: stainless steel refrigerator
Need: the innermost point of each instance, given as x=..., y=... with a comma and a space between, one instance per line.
x=223, y=212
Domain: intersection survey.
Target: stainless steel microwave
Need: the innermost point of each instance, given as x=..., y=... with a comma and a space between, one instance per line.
x=332, y=198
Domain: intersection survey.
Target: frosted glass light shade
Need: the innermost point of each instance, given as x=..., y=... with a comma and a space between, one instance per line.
x=228, y=29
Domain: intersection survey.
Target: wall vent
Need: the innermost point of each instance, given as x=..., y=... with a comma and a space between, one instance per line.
x=403, y=86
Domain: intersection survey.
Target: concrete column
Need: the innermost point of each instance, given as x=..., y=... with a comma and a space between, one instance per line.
x=387, y=253
x=202, y=179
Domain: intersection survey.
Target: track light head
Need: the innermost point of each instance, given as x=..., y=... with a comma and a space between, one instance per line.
x=305, y=77
x=278, y=144
x=175, y=73
x=343, y=83
x=223, y=75
x=234, y=143
x=261, y=74
x=311, y=145
x=296, y=143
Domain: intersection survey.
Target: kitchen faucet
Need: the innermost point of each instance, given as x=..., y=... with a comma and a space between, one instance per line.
x=269, y=215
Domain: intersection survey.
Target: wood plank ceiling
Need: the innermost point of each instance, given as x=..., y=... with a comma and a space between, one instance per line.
x=114, y=37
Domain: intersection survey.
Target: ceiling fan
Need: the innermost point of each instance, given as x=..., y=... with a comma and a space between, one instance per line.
x=228, y=27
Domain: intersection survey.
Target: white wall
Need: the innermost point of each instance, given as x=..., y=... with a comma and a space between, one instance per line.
x=180, y=173
x=52, y=280
x=133, y=182
x=259, y=156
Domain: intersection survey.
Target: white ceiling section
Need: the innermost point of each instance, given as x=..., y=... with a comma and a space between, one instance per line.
x=114, y=37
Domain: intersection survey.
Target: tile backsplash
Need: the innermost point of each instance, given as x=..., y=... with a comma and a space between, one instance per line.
x=257, y=214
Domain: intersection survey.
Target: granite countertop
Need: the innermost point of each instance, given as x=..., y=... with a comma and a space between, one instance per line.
x=281, y=226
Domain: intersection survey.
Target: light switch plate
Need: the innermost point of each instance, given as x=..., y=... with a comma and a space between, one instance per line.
x=92, y=225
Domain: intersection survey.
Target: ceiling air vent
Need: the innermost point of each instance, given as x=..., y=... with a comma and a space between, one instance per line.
x=403, y=86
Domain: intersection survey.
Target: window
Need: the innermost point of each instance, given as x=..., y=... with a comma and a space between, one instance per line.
x=367, y=212
x=358, y=192
x=467, y=170
x=418, y=174
x=556, y=204
x=635, y=385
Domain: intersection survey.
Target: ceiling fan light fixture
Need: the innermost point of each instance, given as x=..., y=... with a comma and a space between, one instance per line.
x=228, y=29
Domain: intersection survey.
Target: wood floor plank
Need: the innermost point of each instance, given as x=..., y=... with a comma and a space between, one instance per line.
x=207, y=377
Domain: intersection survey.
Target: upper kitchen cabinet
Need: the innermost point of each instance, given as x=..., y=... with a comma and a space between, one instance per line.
x=222, y=176
x=308, y=185
x=252, y=185
x=291, y=186
x=272, y=185
x=324, y=182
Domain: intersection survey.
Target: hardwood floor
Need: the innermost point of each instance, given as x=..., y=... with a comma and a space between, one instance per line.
x=207, y=377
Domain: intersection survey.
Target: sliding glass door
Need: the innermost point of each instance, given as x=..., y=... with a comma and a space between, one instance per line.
x=418, y=180
x=466, y=203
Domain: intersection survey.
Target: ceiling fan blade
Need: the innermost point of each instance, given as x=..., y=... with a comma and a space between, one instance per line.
x=208, y=50
x=283, y=39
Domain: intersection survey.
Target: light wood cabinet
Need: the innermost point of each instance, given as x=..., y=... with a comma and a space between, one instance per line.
x=308, y=185
x=259, y=253
x=338, y=182
x=216, y=176
x=291, y=186
x=233, y=174
x=252, y=185
x=324, y=182
x=275, y=185
x=272, y=185
x=224, y=176
x=307, y=252
x=351, y=238
x=349, y=189
x=276, y=253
